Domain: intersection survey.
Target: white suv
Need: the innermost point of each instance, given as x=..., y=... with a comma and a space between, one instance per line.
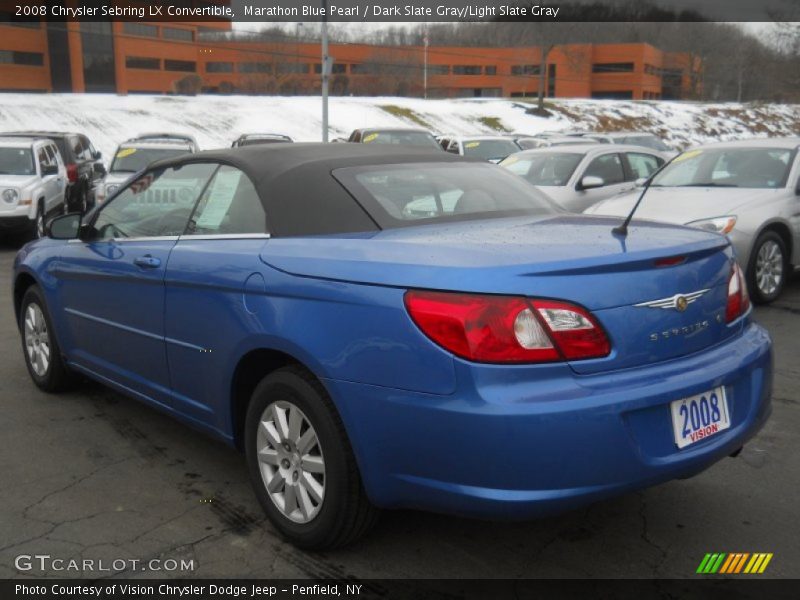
x=33, y=183
x=135, y=154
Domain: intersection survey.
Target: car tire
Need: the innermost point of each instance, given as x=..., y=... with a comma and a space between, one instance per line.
x=768, y=268
x=39, y=344
x=38, y=223
x=288, y=408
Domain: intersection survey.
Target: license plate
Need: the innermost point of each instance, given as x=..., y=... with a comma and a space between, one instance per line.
x=698, y=417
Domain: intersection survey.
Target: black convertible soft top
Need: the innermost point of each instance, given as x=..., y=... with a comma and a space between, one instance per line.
x=294, y=181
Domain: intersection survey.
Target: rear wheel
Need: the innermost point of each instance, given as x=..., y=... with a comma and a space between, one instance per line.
x=39, y=345
x=301, y=464
x=768, y=268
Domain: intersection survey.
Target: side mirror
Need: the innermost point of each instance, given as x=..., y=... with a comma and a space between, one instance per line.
x=100, y=169
x=49, y=170
x=64, y=227
x=590, y=182
x=97, y=155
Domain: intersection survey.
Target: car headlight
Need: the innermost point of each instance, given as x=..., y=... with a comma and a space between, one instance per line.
x=717, y=224
x=10, y=195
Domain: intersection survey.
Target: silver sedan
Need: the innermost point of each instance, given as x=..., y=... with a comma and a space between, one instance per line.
x=576, y=177
x=748, y=190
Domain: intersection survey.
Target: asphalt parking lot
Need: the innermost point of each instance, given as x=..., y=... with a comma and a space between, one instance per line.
x=94, y=475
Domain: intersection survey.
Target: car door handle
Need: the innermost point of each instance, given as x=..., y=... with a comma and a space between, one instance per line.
x=147, y=261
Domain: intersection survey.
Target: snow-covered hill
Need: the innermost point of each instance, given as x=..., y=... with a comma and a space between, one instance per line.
x=217, y=120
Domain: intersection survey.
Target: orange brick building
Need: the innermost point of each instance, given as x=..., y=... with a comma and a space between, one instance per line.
x=139, y=57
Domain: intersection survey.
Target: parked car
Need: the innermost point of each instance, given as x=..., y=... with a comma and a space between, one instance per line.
x=394, y=137
x=250, y=139
x=576, y=177
x=33, y=184
x=136, y=153
x=531, y=143
x=83, y=163
x=632, y=138
x=493, y=148
x=748, y=190
x=489, y=356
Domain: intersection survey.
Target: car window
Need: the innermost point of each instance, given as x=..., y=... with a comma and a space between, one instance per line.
x=158, y=203
x=132, y=159
x=406, y=194
x=607, y=167
x=229, y=205
x=51, y=154
x=643, y=165
x=489, y=149
x=552, y=169
x=77, y=147
x=648, y=141
x=88, y=149
x=41, y=156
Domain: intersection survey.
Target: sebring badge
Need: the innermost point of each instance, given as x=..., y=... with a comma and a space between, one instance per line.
x=679, y=301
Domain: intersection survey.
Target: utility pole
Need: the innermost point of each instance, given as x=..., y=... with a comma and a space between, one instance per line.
x=425, y=67
x=325, y=70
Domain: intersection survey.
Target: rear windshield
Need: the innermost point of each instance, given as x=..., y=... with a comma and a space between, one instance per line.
x=254, y=141
x=133, y=160
x=16, y=161
x=416, y=193
x=403, y=138
x=489, y=149
x=550, y=168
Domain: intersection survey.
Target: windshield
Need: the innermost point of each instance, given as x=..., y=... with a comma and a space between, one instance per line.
x=648, y=141
x=728, y=167
x=544, y=169
x=403, y=138
x=133, y=160
x=407, y=194
x=16, y=161
x=489, y=149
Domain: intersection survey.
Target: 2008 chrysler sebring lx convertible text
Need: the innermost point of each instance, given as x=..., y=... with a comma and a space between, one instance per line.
x=381, y=327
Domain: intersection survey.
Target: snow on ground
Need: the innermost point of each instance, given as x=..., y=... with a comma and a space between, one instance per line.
x=217, y=120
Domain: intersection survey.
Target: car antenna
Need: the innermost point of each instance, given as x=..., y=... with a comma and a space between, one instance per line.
x=623, y=228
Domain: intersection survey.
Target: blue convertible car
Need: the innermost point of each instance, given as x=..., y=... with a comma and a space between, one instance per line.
x=381, y=327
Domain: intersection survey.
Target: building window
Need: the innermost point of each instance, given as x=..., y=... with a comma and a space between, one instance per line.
x=652, y=70
x=140, y=29
x=612, y=67
x=255, y=67
x=438, y=69
x=219, y=67
x=362, y=69
x=525, y=69
x=292, y=67
x=97, y=43
x=490, y=70
x=173, y=33
x=551, y=81
x=466, y=70
x=13, y=57
x=141, y=62
x=187, y=66
x=617, y=95
x=336, y=68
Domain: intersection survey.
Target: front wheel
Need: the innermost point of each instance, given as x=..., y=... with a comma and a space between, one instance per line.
x=39, y=345
x=766, y=274
x=301, y=464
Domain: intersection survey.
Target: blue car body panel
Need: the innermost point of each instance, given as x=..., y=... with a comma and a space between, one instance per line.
x=429, y=430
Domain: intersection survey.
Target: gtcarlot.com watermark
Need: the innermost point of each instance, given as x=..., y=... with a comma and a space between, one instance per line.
x=33, y=563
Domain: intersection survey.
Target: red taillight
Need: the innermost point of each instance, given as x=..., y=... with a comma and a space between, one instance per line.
x=72, y=173
x=738, y=298
x=507, y=329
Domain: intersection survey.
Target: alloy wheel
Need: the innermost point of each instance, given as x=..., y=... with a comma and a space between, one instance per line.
x=37, y=340
x=769, y=268
x=290, y=461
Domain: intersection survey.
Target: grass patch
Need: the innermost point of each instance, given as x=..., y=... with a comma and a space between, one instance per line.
x=405, y=113
x=493, y=123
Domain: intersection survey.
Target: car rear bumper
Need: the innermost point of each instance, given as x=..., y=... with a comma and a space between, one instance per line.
x=509, y=444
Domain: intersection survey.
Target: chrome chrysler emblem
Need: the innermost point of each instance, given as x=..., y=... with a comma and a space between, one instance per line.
x=679, y=301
